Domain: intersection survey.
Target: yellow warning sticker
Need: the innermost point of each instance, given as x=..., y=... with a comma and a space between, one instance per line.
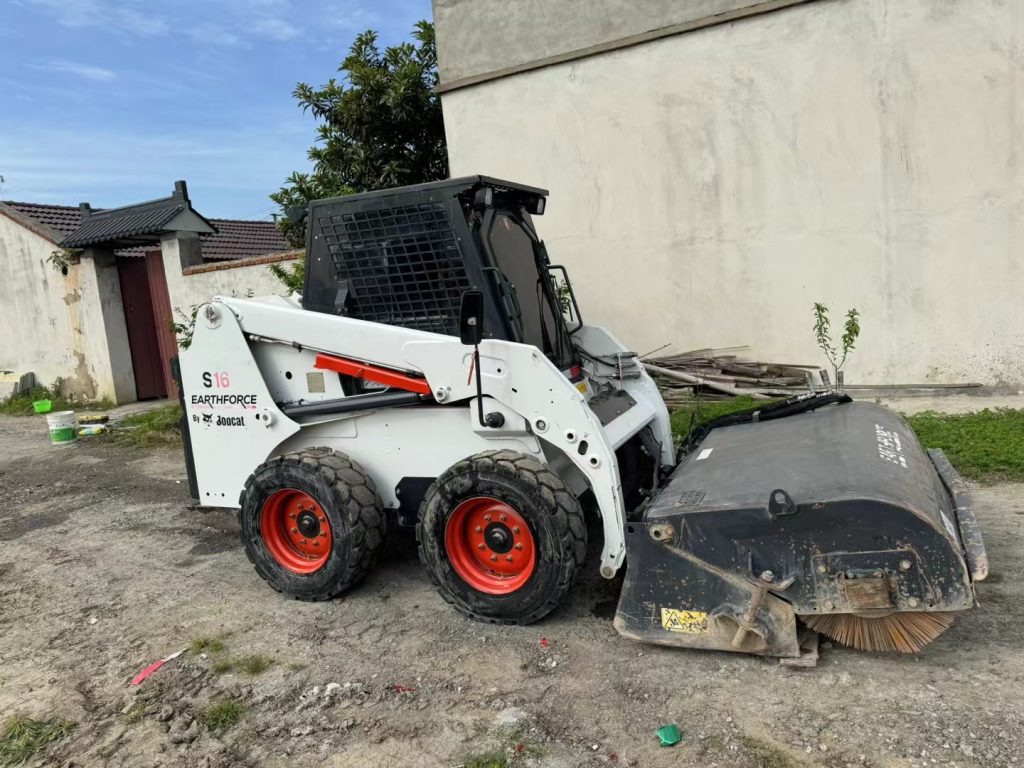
x=691, y=622
x=582, y=387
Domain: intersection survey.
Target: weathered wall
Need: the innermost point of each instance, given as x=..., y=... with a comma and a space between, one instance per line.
x=707, y=188
x=477, y=37
x=227, y=279
x=44, y=327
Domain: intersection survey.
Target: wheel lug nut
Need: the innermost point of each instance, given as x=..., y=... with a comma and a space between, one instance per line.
x=519, y=546
x=515, y=529
x=487, y=518
x=479, y=546
x=478, y=529
x=494, y=558
x=509, y=558
x=323, y=534
x=292, y=515
x=303, y=541
x=295, y=530
x=504, y=518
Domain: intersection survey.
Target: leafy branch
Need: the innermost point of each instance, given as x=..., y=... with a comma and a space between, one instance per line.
x=836, y=356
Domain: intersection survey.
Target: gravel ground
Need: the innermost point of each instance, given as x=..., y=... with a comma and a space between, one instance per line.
x=105, y=567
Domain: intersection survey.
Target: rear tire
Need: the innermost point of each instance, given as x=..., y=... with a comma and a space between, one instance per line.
x=501, y=537
x=311, y=523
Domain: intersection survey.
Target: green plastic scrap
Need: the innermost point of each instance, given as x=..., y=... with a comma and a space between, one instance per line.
x=670, y=735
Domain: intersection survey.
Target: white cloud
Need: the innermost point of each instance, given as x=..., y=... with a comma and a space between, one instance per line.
x=126, y=16
x=214, y=34
x=87, y=71
x=275, y=29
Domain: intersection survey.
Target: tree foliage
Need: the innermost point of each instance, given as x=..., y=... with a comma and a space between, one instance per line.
x=380, y=124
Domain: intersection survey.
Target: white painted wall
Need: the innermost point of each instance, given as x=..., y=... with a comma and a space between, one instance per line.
x=709, y=187
x=188, y=290
x=51, y=325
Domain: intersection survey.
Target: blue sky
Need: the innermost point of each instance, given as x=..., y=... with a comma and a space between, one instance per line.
x=110, y=101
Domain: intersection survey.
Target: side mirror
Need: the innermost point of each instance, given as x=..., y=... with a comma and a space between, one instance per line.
x=471, y=318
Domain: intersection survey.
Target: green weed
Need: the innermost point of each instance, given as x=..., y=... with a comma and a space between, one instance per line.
x=161, y=426
x=254, y=664
x=495, y=758
x=222, y=714
x=206, y=645
x=23, y=738
x=21, y=404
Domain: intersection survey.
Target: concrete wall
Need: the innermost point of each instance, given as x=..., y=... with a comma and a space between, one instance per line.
x=476, y=37
x=195, y=285
x=707, y=188
x=51, y=324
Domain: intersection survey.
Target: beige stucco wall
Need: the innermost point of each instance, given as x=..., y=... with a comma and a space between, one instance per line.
x=53, y=325
x=707, y=188
x=186, y=290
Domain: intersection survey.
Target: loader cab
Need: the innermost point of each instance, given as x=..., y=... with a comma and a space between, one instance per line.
x=405, y=256
x=521, y=285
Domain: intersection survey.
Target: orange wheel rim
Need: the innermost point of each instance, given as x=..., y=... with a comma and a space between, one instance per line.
x=295, y=531
x=490, y=546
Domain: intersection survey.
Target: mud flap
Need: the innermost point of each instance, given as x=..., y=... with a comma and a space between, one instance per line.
x=672, y=597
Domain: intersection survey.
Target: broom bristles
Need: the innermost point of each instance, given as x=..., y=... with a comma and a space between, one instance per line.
x=896, y=633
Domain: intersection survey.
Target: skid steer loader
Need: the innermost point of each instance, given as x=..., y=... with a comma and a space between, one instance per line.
x=436, y=373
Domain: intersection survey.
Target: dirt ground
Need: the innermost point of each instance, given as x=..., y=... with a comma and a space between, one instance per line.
x=105, y=567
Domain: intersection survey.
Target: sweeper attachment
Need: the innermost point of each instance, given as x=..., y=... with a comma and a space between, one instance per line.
x=436, y=373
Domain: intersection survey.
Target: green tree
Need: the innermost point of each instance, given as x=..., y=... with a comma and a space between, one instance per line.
x=380, y=125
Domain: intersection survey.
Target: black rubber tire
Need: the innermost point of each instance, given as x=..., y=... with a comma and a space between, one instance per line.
x=552, y=512
x=349, y=499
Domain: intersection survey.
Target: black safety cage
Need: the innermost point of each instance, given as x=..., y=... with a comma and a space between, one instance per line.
x=405, y=256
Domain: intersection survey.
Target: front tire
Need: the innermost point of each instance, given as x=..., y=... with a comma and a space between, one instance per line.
x=501, y=537
x=311, y=523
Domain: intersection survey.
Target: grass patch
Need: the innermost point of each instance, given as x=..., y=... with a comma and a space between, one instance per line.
x=161, y=426
x=767, y=755
x=21, y=404
x=515, y=752
x=496, y=758
x=700, y=412
x=250, y=665
x=987, y=446
x=221, y=714
x=254, y=664
x=23, y=738
x=206, y=645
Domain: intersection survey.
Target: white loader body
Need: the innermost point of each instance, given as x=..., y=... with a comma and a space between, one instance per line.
x=252, y=358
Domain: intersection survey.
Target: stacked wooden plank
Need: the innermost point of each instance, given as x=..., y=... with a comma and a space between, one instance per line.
x=724, y=373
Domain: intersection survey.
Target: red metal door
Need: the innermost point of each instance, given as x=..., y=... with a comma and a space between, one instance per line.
x=139, y=321
x=163, y=316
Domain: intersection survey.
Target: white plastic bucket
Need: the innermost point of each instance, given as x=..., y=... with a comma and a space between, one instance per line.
x=63, y=427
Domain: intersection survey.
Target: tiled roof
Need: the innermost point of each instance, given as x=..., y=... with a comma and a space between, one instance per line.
x=138, y=224
x=237, y=239
x=124, y=225
x=62, y=219
x=234, y=239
